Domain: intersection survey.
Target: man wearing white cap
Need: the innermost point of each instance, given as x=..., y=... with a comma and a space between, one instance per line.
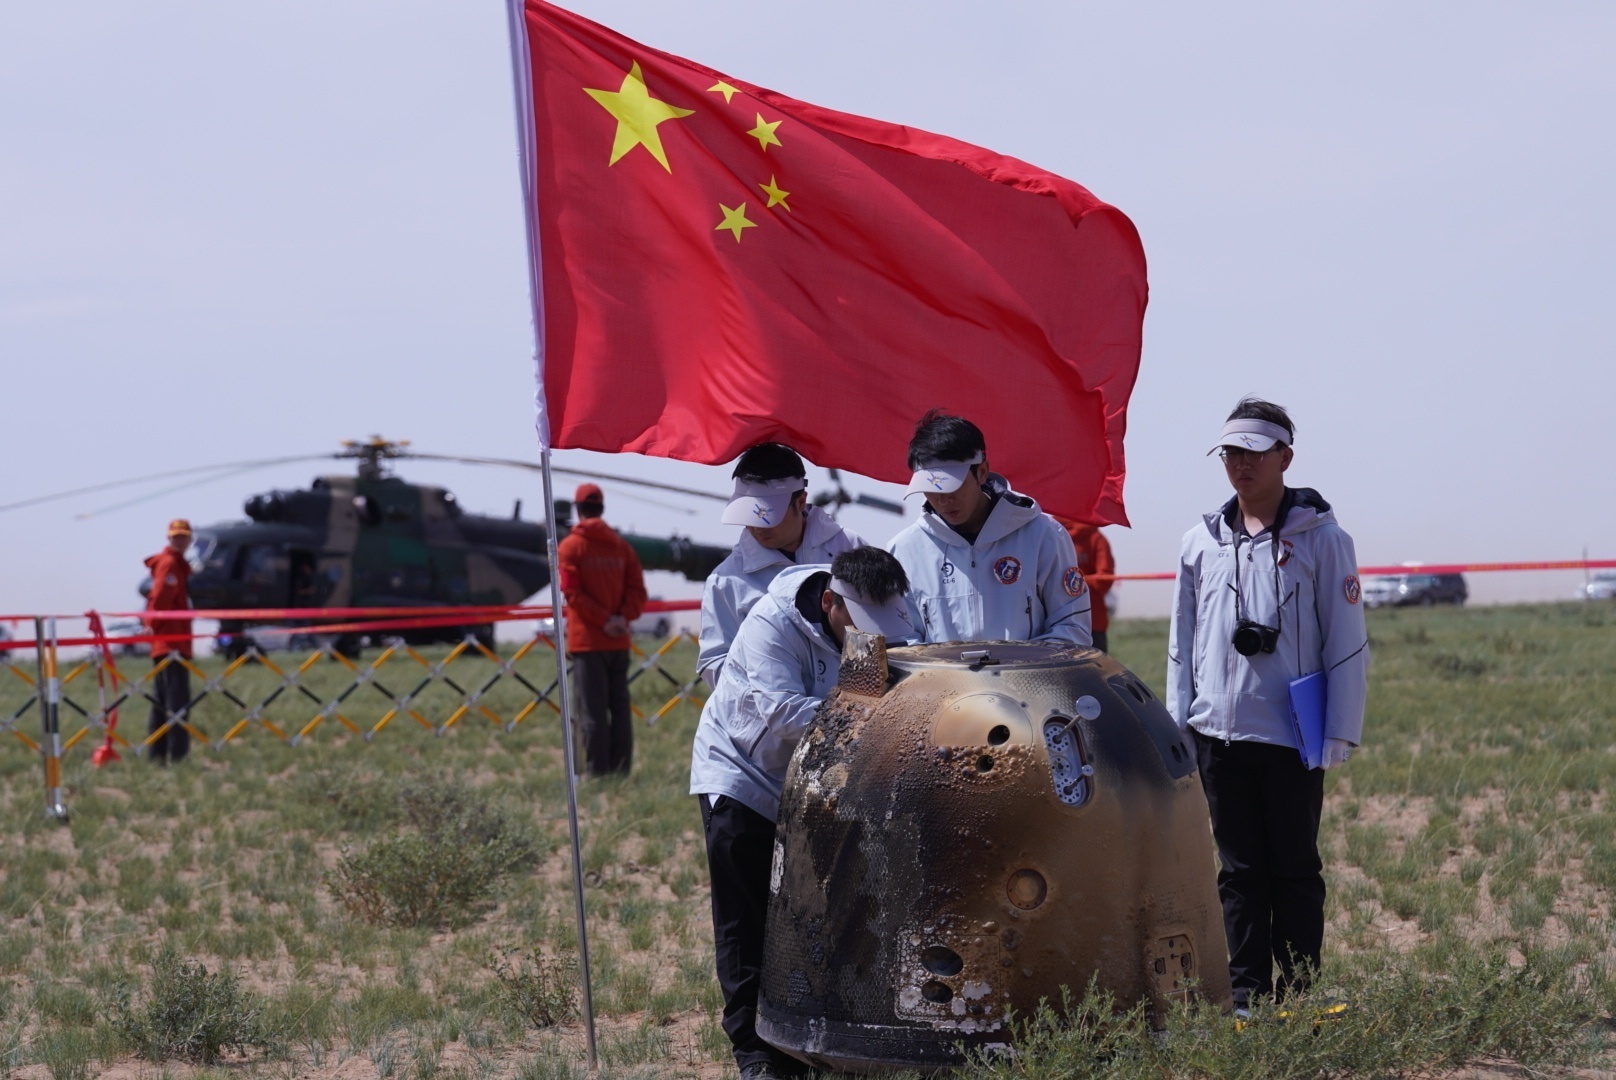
x=771, y=501
x=984, y=562
x=782, y=664
x=1267, y=593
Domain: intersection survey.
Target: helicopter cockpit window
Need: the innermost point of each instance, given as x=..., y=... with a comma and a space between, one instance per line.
x=258, y=564
x=221, y=558
x=198, y=552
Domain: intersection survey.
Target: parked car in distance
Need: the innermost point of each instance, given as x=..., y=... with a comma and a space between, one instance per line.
x=656, y=624
x=653, y=623
x=1402, y=590
x=1601, y=586
x=129, y=628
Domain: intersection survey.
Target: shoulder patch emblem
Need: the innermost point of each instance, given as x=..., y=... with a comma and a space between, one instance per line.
x=1073, y=581
x=1007, y=570
x=1353, y=590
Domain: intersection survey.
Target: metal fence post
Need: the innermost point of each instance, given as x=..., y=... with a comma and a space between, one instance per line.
x=50, y=696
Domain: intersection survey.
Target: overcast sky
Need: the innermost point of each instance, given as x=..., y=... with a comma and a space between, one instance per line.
x=239, y=230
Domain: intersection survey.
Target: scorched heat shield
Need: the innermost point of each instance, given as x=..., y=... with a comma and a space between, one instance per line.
x=966, y=829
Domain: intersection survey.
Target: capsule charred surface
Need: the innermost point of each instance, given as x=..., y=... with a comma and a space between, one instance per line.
x=966, y=829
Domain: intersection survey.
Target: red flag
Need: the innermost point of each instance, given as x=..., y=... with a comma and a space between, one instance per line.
x=720, y=264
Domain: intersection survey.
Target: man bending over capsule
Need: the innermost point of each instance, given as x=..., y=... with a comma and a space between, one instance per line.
x=781, y=666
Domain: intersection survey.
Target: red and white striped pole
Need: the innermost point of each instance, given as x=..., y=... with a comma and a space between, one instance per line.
x=50, y=697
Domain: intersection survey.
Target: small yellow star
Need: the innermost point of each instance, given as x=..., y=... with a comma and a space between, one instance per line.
x=776, y=196
x=637, y=114
x=764, y=133
x=735, y=220
x=722, y=87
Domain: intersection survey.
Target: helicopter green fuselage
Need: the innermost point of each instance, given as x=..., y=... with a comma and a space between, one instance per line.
x=383, y=542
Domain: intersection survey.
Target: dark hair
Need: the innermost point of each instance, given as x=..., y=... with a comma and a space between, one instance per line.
x=769, y=461
x=872, y=571
x=941, y=436
x=590, y=508
x=1255, y=408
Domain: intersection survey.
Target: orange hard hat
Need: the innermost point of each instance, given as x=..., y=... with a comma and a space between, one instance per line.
x=179, y=527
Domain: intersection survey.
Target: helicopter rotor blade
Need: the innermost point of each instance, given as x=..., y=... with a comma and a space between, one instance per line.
x=160, y=492
x=242, y=466
x=533, y=466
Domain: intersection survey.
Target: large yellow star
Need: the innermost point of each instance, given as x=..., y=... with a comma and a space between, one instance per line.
x=722, y=87
x=735, y=220
x=764, y=133
x=638, y=115
x=776, y=196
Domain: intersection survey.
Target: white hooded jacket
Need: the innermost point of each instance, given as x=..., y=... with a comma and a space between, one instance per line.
x=1018, y=582
x=744, y=576
x=780, y=667
x=1222, y=694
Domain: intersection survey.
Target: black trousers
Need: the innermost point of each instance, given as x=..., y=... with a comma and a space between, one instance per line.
x=170, y=693
x=1100, y=641
x=600, y=704
x=740, y=849
x=1265, y=817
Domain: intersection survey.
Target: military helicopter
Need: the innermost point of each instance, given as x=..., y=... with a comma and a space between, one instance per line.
x=374, y=539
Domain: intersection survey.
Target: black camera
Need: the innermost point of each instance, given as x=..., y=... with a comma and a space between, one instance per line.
x=1251, y=638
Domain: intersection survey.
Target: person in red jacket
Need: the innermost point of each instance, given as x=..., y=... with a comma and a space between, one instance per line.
x=605, y=591
x=1094, y=559
x=171, y=687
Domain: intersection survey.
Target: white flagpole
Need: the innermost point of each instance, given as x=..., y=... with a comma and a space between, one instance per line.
x=521, y=77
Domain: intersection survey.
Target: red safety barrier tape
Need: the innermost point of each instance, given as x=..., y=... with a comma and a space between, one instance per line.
x=381, y=619
x=466, y=612
x=1418, y=568
x=401, y=618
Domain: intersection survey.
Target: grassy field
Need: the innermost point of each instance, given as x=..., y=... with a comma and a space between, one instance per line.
x=400, y=906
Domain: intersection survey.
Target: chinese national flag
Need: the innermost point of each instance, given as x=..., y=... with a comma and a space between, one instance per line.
x=720, y=265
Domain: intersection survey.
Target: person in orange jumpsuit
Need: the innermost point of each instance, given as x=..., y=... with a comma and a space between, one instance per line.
x=605, y=591
x=171, y=687
x=1094, y=558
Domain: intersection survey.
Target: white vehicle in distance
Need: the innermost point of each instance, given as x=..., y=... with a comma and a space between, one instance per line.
x=1600, y=586
x=656, y=624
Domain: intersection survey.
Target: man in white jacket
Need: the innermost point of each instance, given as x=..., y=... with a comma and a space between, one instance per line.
x=984, y=562
x=781, y=666
x=1267, y=592
x=780, y=529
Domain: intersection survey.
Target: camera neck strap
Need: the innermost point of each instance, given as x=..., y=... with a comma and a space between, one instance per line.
x=1273, y=551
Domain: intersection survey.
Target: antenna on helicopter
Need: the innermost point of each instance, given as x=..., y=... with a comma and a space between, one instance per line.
x=372, y=454
x=839, y=497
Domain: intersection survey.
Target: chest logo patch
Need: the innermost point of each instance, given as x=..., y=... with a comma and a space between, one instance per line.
x=1286, y=550
x=1353, y=590
x=1072, y=581
x=1007, y=570
x=948, y=569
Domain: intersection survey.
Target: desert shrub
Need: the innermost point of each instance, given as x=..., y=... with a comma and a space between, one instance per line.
x=543, y=990
x=451, y=850
x=1399, y=1020
x=189, y=1013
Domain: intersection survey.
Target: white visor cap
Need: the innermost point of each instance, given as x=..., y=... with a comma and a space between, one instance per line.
x=890, y=620
x=1253, y=435
x=763, y=504
x=941, y=477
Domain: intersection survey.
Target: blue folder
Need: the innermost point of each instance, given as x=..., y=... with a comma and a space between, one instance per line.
x=1307, y=717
